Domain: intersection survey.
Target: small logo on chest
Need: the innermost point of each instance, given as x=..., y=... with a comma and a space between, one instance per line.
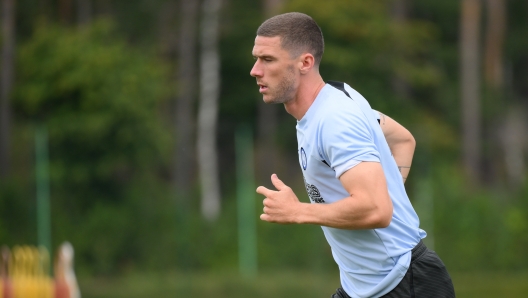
x=304, y=160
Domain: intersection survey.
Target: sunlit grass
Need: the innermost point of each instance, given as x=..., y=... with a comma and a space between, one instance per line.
x=276, y=284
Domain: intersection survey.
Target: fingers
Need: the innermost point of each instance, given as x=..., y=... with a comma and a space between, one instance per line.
x=277, y=182
x=279, y=185
x=273, y=199
x=265, y=216
x=264, y=191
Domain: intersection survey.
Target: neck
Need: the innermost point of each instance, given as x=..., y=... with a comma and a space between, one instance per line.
x=307, y=91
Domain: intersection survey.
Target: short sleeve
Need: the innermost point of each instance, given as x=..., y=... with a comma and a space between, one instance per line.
x=346, y=140
x=376, y=115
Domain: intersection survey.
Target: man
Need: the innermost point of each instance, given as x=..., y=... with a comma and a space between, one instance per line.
x=354, y=184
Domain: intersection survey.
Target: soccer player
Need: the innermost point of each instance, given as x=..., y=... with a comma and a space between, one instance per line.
x=354, y=184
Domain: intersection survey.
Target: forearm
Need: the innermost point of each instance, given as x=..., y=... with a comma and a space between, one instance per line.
x=349, y=213
x=403, y=153
x=368, y=206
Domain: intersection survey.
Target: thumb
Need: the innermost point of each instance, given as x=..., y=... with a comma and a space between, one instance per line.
x=277, y=182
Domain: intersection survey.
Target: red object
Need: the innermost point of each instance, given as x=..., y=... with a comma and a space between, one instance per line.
x=8, y=288
x=61, y=289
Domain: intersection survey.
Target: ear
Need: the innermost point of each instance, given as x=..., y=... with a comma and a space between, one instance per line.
x=306, y=63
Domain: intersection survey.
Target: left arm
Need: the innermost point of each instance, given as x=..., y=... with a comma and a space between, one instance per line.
x=401, y=143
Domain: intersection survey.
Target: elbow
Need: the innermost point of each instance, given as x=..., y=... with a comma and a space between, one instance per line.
x=406, y=143
x=408, y=140
x=383, y=216
x=411, y=141
x=406, y=146
x=385, y=220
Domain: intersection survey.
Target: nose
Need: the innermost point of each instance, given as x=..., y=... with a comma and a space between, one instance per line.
x=256, y=71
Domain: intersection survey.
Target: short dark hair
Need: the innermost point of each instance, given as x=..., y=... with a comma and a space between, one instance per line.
x=299, y=33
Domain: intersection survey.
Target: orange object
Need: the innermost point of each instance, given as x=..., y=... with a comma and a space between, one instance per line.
x=61, y=289
x=7, y=290
x=6, y=287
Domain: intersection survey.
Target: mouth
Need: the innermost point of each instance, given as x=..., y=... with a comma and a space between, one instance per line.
x=262, y=88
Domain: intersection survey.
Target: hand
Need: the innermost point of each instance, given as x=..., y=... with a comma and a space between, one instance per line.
x=280, y=206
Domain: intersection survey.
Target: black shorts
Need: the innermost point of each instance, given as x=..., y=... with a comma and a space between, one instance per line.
x=426, y=277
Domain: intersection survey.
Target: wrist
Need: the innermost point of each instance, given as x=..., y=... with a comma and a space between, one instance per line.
x=312, y=214
x=303, y=213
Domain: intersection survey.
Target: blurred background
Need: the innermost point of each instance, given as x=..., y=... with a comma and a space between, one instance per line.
x=133, y=130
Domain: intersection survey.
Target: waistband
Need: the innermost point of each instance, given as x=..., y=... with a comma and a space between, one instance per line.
x=418, y=251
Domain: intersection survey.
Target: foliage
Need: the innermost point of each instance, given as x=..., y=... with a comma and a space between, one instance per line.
x=478, y=229
x=99, y=101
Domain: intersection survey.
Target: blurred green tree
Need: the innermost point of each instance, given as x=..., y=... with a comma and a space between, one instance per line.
x=6, y=83
x=99, y=100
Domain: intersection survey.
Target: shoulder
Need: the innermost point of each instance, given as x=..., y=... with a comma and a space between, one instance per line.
x=335, y=102
x=334, y=113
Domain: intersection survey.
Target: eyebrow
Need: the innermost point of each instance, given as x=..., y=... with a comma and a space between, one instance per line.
x=263, y=56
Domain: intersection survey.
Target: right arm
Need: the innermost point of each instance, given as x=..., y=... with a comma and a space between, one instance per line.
x=368, y=205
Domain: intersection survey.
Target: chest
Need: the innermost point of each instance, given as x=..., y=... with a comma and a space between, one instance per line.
x=319, y=178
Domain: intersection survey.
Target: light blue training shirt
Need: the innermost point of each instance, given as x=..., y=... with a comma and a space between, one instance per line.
x=335, y=134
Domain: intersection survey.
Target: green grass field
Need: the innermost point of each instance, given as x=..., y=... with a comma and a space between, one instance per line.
x=277, y=284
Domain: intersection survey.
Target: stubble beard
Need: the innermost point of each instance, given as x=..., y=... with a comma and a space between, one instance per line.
x=286, y=88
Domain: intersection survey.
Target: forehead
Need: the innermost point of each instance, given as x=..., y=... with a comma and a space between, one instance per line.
x=267, y=46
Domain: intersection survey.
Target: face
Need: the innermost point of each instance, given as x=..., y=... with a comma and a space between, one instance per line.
x=274, y=70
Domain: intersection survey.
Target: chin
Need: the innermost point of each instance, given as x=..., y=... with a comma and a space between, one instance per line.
x=272, y=99
x=268, y=100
